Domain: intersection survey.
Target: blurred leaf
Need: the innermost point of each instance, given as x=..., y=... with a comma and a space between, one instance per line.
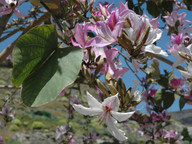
x=153, y=70
x=168, y=99
x=141, y=2
x=130, y=4
x=163, y=81
x=138, y=10
x=171, y=75
x=153, y=9
x=113, y=90
x=167, y=6
x=182, y=102
x=164, y=97
x=158, y=96
x=188, y=4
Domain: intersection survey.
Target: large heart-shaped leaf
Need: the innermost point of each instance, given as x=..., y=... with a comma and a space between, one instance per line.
x=58, y=72
x=41, y=67
x=31, y=50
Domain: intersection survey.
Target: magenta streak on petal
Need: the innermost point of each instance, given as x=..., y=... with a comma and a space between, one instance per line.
x=140, y=31
x=112, y=21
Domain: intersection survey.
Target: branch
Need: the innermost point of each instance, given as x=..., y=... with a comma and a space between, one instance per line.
x=164, y=60
x=7, y=51
x=11, y=33
x=3, y=21
x=9, y=87
x=22, y=21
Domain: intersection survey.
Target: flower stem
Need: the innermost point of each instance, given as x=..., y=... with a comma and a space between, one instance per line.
x=164, y=60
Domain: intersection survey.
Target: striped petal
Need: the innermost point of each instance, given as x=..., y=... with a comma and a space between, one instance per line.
x=87, y=111
x=121, y=116
x=112, y=127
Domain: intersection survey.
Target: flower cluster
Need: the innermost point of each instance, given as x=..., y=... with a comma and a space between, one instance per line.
x=118, y=26
x=172, y=137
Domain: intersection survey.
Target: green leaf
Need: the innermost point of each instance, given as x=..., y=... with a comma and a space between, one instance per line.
x=182, y=102
x=58, y=72
x=153, y=70
x=42, y=67
x=153, y=9
x=130, y=4
x=138, y=10
x=188, y=4
x=158, y=96
x=141, y=2
x=163, y=81
x=164, y=97
x=168, y=99
x=31, y=50
x=167, y=6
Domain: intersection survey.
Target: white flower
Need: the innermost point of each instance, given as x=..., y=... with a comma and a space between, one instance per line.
x=137, y=32
x=187, y=74
x=108, y=112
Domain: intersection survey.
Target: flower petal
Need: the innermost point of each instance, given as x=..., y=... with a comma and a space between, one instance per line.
x=87, y=111
x=5, y=11
x=18, y=13
x=112, y=127
x=79, y=34
x=93, y=103
x=178, y=62
x=3, y=2
x=112, y=102
x=100, y=42
x=121, y=116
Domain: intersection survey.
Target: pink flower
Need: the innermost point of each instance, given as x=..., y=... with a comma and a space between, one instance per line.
x=155, y=117
x=137, y=32
x=92, y=136
x=81, y=36
x=7, y=112
x=106, y=35
x=61, y=130
x=62, y=93
x=181, y=49
x=177, y=84
x=152, y=92
x=187, y=74
x=71, y=139
x=175, y=17
x=111, y=67
x=188, y=93
x=178, y=39
x=107, y=111
x=175, y=136
x=10, y=6
x=1, y=139
x=105, y=10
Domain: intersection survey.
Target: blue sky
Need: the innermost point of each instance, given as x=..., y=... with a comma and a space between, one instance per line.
x=129, y=76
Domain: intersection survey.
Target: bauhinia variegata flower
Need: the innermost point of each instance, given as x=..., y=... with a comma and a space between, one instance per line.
x=107, y=111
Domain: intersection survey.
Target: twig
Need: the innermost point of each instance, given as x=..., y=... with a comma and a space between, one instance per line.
x=126, y=59
x=4, y=20
x=53, y=15
x=9, y=87
x=11, y=33
x=7, y=51
x=21, y=21
x=164, y=60
x=133, y=71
